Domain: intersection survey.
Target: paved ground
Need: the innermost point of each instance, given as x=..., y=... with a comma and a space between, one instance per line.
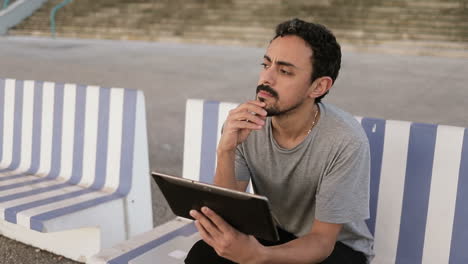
x=415, y=88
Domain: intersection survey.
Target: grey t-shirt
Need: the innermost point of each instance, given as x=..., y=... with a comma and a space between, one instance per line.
x=325, y=177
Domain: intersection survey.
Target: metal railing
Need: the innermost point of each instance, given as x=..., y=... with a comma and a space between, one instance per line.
x=54, y=12
x=5, y=4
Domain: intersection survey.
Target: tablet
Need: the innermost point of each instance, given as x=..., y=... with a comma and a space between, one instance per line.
x=248, y=213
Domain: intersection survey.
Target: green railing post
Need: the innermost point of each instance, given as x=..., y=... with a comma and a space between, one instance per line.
x=5, y=3
x=52, y=15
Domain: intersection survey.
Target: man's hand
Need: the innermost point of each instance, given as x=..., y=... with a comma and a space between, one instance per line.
x=240, y=122
x=237, y=127
x=225, y=239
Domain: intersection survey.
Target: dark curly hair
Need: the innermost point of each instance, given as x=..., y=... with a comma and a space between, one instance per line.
x=326, y=58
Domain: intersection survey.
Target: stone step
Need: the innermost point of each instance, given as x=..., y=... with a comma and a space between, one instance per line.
x=111, y=15
x=377, y=25
x=324, y=3
x=362, y=31
x=120, y=21
x=340, y=15
x=252, y=34
x=332, y=21
x=219, y=31
x=304, y=8
x=335, y=15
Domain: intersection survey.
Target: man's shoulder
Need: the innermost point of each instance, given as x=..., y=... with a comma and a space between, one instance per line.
x=341, y=124
x=337, y=114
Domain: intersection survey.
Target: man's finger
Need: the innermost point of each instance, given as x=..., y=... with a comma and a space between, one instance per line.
x=255, y=109
x=222, y=225
x=206, y=223
x=257, y=102
x=247, y=116
x=251, y=108
x=204, y=234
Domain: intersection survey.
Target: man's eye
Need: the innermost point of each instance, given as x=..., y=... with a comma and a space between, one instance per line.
x=285, y=72
x=265, y=66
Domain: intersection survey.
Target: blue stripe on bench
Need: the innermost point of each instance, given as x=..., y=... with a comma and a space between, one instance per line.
x=57, y=131
x=11, y=212
x=103, y=130
x=20, y=184
x=458, y=250
x=37, y=127
x=209, y=141
x=32, y=192
x=11, y=177
x=17, y=126
x=78, y=144
x=375, y=130
x=37, y=221
x=416, y=192
x=128, y=132
x=186, y=231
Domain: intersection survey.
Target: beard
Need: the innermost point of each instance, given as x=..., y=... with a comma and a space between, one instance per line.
x=273, y=110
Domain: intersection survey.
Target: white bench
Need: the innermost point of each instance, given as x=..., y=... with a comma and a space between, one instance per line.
x=419, y=190
x=74, y=173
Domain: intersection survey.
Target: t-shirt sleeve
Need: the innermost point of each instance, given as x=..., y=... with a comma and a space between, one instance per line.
x=241, y=168
x=343, y=194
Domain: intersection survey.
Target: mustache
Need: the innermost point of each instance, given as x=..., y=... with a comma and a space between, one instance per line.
x=267, y=89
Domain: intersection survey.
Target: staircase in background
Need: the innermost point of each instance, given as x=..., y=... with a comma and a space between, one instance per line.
x=408, y=26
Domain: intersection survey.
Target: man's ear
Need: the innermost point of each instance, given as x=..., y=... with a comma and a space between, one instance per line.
x=320, y=86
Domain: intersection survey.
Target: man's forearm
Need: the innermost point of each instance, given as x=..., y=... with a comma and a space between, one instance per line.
x=311, y=248
x=225, y=174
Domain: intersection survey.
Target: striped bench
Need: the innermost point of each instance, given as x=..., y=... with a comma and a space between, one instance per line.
x=419, y=185
x=74, y=173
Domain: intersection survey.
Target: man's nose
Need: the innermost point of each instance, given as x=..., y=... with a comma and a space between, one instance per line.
x=268, y=76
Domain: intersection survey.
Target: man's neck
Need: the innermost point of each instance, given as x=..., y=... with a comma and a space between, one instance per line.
x=296, y=124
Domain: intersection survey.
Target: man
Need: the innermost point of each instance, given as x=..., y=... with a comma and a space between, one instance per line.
x=309, y=158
